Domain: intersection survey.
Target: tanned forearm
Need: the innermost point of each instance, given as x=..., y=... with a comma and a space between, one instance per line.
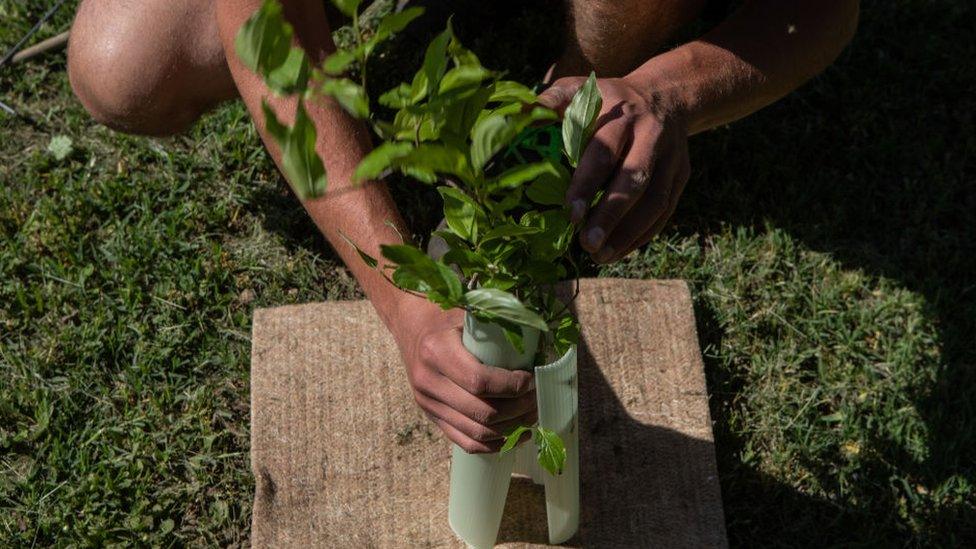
x=360, y=211
x=762, y=52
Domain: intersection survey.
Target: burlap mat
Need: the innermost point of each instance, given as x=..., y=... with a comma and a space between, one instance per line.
x=342, y=457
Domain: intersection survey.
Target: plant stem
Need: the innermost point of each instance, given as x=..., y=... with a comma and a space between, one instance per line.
x=364, y=61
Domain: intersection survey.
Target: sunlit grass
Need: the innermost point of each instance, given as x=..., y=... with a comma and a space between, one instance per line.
x=828, y=242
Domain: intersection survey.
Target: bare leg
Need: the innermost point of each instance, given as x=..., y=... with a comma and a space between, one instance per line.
x=148, y=66
x=613, y=37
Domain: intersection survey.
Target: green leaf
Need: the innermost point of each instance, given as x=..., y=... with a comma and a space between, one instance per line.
x=555, y=235
x=347, y=7
x=302, y=166
x=466, y=260
x=60, y=147
x=494, y=131
x=566, y=334
x=453, y=240
x=579, y=120
x=407, y=279
x=405, y=254
x=552, y=452
x=339, y=62
x=489, y=136
x=505, y=306
x=522, y=173
x=394, y=23
x=467, y=76
x=514, y=337
x=367, y=259
x=453, y=284
x=420, y=86
x=499, y=282
x=278, y=131
x=349, y=94
x=512, y=438
x=509, y=200
x=264, y=40
x=542, y=272
x=420, y=174
x=381, y=159
x=505, y=109
x=461, y=114
x=507, y=91
x=428, y=160
x=413, y=123
x=500, y=251
x=537, y=114
x=398, y=97
x=464, y=216
x=301, y=158
x=435, y=60
x=549, y=189
x=508, y=231
x=292, y=75
x=423, y=273
x=463, y=57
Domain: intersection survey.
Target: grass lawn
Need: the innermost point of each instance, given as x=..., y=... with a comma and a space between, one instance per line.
x=830, y=242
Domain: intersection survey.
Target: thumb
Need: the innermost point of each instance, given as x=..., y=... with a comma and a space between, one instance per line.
x=559, y=95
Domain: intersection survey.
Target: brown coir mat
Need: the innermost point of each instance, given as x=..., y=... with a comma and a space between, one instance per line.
x=342, y=456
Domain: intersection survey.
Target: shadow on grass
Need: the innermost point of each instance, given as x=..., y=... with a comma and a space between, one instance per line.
x=869, y=163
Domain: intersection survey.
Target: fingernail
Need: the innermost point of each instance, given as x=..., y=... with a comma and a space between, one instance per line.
x=577, y=210
x=594, y=238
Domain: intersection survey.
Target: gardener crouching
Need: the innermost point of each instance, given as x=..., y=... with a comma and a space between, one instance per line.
x=153, y=67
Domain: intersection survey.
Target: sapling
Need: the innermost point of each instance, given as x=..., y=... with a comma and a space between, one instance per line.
x=500, y=161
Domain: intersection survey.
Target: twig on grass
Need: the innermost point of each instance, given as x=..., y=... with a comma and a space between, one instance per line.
x=16, y=47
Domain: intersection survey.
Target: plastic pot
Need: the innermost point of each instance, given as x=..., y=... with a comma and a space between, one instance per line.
x=479, y=482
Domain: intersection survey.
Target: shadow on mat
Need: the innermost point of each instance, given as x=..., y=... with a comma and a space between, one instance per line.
x=637, y=488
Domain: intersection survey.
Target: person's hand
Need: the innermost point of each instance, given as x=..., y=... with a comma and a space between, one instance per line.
x=639, y=154
x=473, y=404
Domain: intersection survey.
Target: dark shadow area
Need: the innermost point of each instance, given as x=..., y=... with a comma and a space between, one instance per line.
x=641, y=485
x=871, y=163
x=638, y=488
x=524, y=519
x=519, y=37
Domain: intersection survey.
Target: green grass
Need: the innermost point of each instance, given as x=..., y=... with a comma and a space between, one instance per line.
x=829, y=242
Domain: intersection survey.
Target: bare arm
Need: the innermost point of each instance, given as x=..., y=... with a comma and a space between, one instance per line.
x=359, y=211
x=474, y=405
x=762, y=52
x=639, y=154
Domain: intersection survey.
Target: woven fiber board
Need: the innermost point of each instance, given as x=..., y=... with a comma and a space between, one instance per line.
x=342, y=457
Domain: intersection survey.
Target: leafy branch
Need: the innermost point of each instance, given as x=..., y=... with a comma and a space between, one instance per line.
x=501, y=163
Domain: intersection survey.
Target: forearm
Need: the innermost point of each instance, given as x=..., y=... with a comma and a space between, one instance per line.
x=763, y=51
x=359, y=211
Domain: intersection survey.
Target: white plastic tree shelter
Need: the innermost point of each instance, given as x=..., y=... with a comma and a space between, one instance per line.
x=479, y=482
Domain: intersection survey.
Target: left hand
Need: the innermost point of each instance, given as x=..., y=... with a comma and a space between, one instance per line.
x=638, y=153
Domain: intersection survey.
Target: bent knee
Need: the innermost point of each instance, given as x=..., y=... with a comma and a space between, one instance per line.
x=120, y=94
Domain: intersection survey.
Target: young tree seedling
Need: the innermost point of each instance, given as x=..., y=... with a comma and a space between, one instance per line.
x=500, y=161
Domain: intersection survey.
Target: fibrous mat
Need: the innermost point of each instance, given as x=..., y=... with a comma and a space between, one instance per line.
x=342, y=456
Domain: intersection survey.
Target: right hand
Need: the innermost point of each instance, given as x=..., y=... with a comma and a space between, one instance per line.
x=473, y=404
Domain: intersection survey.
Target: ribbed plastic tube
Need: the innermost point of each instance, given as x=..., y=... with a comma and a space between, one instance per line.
x=479, y=482
x=527, y=463
x=558, y=398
